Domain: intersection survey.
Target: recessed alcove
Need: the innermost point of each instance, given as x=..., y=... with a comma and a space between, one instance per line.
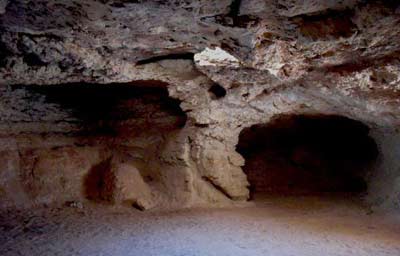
x=308, y=155
x=102, y=109
x=70, y=139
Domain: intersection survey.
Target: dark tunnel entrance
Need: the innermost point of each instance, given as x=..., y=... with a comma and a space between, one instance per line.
x=307, y=155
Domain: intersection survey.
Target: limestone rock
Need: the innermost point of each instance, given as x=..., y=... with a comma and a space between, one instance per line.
x=11, y=189
x=129, y=187
x=58, y=175
x=299, y=57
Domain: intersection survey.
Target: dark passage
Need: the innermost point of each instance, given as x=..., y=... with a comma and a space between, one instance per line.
x=307, y=155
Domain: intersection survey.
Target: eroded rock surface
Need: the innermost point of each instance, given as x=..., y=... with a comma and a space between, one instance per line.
x=231, y=65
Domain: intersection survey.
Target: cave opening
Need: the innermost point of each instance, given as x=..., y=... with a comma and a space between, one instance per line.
x=308, y=155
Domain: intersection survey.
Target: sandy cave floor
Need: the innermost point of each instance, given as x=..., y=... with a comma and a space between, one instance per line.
x=285, y=226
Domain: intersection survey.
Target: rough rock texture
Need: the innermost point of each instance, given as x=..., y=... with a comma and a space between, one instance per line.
x=274, y=57
x=130, y=187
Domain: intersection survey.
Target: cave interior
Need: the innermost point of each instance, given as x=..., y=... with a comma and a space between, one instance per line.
x=308, y=155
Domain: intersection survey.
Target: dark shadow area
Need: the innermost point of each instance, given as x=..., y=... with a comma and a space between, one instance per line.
x=111, y=108
x=98, y=182
x=298, y=154
x=176, y=56
x=217, y=91
x=329, y=25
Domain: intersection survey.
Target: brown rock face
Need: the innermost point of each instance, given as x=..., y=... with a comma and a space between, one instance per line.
x=167, y=90
x=117, y=182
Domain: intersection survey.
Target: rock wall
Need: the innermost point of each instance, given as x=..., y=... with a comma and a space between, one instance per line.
x=266, y=58
x=70, y=142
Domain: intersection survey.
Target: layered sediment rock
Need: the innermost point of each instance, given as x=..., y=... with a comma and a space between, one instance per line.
x=223, y=67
